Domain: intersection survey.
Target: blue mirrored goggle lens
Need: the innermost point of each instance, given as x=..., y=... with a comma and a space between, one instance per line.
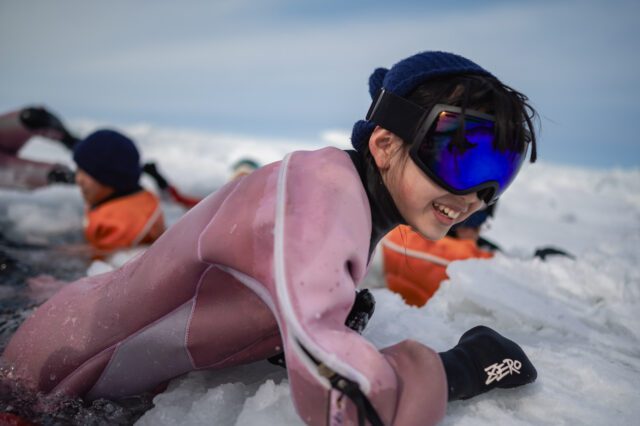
x=467, y=160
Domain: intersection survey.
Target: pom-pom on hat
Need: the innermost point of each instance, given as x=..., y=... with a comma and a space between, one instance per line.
x=408, y=74
x=110, y=158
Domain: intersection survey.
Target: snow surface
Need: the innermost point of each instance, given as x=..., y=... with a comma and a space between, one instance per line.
x=578, y=320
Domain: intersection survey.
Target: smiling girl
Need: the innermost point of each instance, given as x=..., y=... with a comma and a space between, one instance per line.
x=270, y=263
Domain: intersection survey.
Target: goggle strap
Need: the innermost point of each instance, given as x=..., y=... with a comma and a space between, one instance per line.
x=396, y=114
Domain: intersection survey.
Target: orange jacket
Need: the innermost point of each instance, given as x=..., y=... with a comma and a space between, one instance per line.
x=125, y=222
x=415, y=266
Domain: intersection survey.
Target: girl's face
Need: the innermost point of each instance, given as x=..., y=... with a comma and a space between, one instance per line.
x=428, y=208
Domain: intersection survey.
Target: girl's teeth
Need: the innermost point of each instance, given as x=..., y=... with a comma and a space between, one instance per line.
x=452, y=214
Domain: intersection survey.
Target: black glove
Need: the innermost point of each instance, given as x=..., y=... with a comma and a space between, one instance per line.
x=61, y=174
x=357, y=320
x=362, y=311
x=152, y=170
x=483, y=360
x=38, y=118
x=544, y=252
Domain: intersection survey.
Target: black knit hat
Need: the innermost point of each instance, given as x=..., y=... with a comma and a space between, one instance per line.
x=408, y=74
x=110, y=158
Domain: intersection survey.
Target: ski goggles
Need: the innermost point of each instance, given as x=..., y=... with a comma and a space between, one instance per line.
x=456, y=151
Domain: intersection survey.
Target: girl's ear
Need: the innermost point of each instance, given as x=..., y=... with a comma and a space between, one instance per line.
x=383, y=145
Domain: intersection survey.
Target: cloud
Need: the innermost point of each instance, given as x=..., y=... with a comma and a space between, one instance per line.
x=269, y=69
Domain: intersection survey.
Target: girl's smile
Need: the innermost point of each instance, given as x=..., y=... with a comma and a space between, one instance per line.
x=449, y=211
x=446, y=215
x=453, y=209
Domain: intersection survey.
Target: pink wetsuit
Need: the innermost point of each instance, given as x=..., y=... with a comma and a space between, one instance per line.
x=268, y=262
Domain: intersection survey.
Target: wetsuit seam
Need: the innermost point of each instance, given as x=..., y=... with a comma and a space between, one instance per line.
x=192, y=313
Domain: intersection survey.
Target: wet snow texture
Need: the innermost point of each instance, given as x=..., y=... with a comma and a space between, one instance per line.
x=578, y=320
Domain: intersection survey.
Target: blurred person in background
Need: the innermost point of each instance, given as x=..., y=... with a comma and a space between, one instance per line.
x=16, y=128
x=119, y=213
x=415, y=266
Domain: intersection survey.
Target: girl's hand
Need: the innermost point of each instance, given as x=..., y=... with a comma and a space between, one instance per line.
x=482, y=360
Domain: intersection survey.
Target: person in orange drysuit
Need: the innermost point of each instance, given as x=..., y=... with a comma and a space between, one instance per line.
x=414, y=266
x=119, y=212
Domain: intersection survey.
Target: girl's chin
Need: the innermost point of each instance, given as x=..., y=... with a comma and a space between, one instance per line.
x=432, y=233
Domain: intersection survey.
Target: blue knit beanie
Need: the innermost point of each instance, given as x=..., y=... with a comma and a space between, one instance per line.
x=110, y=158
x=408, y=74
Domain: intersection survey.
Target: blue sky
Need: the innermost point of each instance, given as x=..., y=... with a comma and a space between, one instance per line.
x=286, y=68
